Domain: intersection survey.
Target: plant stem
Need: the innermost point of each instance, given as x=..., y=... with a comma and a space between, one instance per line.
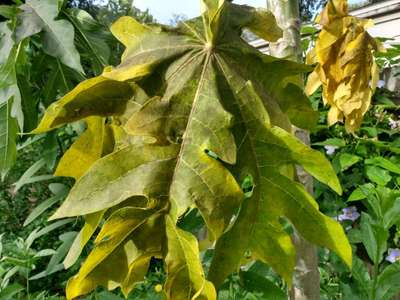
x=306, y=281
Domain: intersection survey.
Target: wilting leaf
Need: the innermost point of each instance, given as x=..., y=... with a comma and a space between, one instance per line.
x=130, y=236
x=58, y=35
x=194, y=111
x=345, y=65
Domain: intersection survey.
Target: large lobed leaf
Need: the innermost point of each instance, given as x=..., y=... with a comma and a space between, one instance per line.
x=192, y=111
x=346, y=67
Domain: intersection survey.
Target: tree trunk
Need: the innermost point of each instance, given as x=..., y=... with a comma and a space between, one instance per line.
x=306, y=275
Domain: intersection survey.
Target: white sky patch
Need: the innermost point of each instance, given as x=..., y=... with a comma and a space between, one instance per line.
x=164, y=10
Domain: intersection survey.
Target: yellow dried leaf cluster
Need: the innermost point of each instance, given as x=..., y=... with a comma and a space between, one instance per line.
x=345, y=64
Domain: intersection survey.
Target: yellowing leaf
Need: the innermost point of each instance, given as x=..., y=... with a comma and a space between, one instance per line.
x=127, y=241
x=108, y=181
x=84, y=151
x=203, y=112
x=346, y=67
x=82, y=238
x=97, y=96
x=186, y=278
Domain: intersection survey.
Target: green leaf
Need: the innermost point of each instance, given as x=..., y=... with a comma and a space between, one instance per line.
x=53, y=226
x=8, y=11
x=377, y=175
x=298, y=107
x=108, y=183
x=10, y=99
x=58, y=35
x=389, y=204
x=374, y=238
x=361, y=275
x=261, y=286
x=383, y=163
x=11, y=291
x=361, y=192
x=54, y=264
x=388, y=284
x=8, y=135
x=42, y=207
x=186, y=278
x=29, y=175
x=91, y=37
x=332, y=142
x=347, y=160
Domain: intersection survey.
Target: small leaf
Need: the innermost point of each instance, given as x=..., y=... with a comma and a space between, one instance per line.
x=332, y=142
x=42, y=207
x=377, y=175
x=91, y=39
x=261, y=286
x=10, y=291
x=347, y=160
x=360, y=192
x=28, y=176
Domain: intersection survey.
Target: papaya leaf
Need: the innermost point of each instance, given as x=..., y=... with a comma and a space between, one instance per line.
x=96, y=96
x=194, y=111
x=58, y=35
x=92, y=221
x=87, y=149
x=129, y=237
x=346, y=67
x=186, y=278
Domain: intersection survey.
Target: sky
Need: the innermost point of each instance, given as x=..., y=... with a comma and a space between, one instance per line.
x=163, y=10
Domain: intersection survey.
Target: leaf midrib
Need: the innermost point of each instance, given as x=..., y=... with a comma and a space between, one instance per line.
x=190, y=118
